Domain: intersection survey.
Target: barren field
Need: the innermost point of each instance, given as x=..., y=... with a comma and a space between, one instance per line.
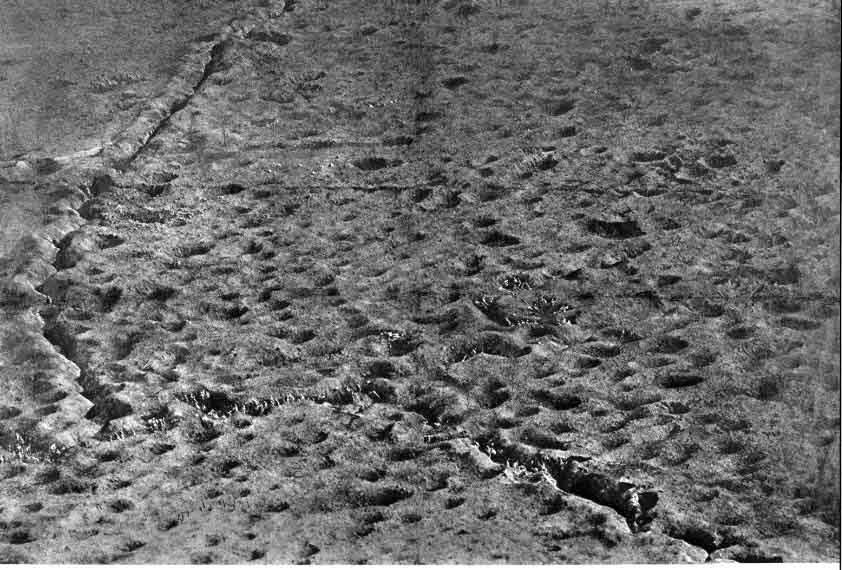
x=540, y=281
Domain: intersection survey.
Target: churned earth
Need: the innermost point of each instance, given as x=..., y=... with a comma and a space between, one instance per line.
x=456, y=281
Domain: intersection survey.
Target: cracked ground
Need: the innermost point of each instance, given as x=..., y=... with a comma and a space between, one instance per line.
x=430, y=282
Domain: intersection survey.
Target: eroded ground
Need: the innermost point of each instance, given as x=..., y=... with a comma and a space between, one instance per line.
x=452, y=282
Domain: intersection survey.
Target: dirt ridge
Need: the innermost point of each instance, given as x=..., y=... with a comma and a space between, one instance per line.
x=197, y=66
x=20, y=297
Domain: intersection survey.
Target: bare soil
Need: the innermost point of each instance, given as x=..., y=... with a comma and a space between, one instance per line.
x=455, y=281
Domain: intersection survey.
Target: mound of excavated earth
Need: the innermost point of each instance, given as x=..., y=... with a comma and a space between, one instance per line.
x=457, y=281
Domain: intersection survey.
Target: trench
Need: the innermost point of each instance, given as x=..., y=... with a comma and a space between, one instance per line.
x=210, y=67
x=572, y=475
